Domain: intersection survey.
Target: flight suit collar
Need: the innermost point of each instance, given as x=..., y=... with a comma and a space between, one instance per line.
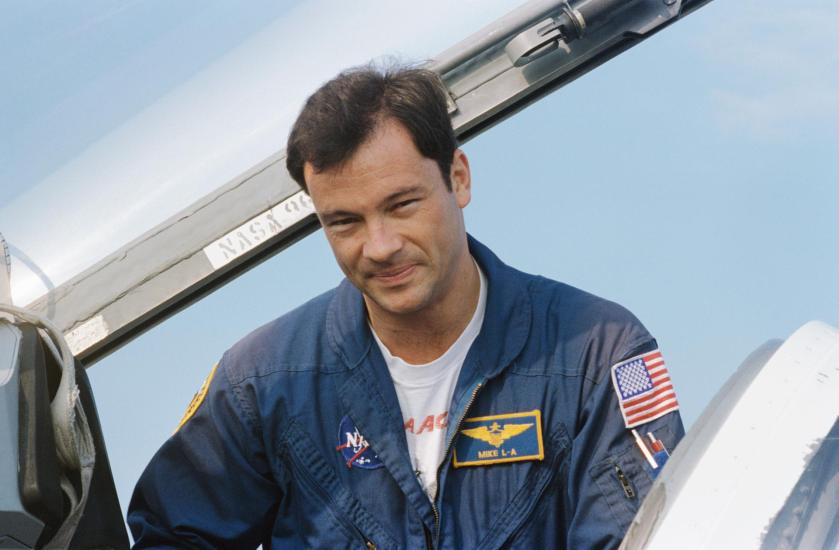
x=508, y=312
x=503, y=334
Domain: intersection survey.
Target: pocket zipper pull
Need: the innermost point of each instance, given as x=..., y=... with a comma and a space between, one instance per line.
x=628, y=491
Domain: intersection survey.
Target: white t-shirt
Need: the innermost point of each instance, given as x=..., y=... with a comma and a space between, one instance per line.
x=425, y=395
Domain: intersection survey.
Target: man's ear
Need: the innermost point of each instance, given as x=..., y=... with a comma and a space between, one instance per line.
x=461, y=178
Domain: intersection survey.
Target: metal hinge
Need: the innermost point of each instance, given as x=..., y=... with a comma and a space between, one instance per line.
x=546, y=36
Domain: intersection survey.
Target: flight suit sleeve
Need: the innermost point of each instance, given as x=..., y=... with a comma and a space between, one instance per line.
x=608, y=475
x=210, y=484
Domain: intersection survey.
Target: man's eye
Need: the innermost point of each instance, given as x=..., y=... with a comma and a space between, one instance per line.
x=403, y=204
x=341, y=222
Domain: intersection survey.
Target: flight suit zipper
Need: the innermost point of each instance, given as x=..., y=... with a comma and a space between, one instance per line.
x=446, y=454
x=427, y=533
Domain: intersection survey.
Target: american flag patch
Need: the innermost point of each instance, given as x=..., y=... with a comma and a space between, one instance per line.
x=644, y=389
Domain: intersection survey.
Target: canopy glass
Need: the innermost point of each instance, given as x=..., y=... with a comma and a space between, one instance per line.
x=151, y=117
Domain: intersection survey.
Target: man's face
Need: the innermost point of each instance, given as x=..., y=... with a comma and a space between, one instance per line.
x=396, y=230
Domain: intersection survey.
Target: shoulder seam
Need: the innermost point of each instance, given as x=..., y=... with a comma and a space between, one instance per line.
x=246, y=411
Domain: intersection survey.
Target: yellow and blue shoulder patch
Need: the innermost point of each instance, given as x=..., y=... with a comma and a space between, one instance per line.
x=198, y=398
x=499, y=438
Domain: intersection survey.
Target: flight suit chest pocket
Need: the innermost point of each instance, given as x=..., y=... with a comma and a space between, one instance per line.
x=624, y=479
x=517, y=517
x=326, y=513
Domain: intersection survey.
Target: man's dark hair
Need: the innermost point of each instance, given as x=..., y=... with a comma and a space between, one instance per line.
x=343, y=113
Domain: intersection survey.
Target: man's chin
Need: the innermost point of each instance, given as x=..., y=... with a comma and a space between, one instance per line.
x=396, y=305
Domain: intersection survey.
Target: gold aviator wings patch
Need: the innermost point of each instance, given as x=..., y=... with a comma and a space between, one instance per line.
x=494, y=434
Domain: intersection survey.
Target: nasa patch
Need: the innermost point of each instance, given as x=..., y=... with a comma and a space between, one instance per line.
x=354, y=448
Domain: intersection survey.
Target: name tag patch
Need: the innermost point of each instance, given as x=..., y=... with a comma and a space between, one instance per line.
x=500, y=438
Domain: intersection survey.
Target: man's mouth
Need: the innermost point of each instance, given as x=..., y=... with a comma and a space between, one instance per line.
x=395, y=275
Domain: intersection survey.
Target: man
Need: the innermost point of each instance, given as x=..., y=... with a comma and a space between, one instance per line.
x=437, y=398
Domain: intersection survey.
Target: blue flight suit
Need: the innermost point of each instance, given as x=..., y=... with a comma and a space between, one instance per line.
x=262, y=461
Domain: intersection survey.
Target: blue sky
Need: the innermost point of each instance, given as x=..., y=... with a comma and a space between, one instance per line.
x=692, y=179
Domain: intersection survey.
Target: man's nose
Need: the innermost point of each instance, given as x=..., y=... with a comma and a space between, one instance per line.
x=382, y=243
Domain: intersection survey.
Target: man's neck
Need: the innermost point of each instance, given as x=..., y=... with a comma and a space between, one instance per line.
x=423, y=337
